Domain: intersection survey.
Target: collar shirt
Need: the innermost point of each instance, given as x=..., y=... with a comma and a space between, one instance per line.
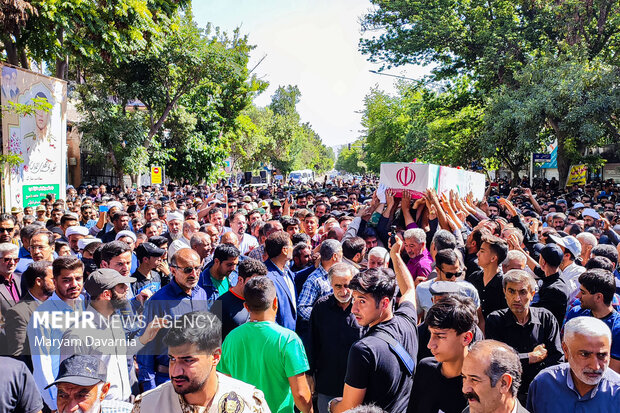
x=45, y=341
x=333, y=332
x=11, y=287
x=570, y=275
x=541, y=328
x=420, y=266
x=553, y=390
x=170, y=302
x=492, y=296
x=316, y=286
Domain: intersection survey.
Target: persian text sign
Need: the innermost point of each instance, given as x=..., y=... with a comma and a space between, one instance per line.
x=39, y=138
x=577, y=175
x=418, y=177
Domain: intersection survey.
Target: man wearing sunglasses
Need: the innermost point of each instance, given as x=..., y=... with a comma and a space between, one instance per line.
x=182, y=295
x=10, y=289
x=448, y=268
x=7, y=228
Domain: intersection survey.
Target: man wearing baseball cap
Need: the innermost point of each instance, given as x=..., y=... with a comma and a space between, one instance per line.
x=571, y=248
x=553, y=293
x=106, y=338
x=82, y=383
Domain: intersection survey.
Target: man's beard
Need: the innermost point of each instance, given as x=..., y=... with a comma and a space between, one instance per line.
x=48, y=292
x=192, y=387
x=176, y=235
x=95, y=408
x=343, y=301
x=590, y=381
x=119, y=302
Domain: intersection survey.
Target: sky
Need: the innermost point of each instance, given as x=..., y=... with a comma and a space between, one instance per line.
x=312, y=44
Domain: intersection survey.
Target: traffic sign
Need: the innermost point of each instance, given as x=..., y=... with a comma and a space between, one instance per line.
x=156, y=175
x=542, y=157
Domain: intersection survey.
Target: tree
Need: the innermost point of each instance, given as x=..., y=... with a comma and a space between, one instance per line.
x=350, y=160
x=201, y=78
x=570, y=98
x=55, y=31
x=495, y=42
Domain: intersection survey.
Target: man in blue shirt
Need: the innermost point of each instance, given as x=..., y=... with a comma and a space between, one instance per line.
x=279, y=249
x=181, y=296
x=585, y=383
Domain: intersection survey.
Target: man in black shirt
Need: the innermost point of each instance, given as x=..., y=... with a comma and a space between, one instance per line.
x=333, y=330
x=488, y=282
x=230, y=304
x=149, y=257
x=553, y=293
x=378, y=372
x=437, y=385
x=533, y=332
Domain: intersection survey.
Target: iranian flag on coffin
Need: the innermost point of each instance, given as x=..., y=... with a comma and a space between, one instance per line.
x=418, y=177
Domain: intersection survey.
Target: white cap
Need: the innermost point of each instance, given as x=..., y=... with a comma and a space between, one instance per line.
x=175, y=216
x=174, y=247
x=76, y=230
x=126, y=233
x=117, y=204
x=589, y=212
x=85, y=241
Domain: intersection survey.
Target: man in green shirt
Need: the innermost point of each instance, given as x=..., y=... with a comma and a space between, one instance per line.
x=220, y=274
x=266, y=355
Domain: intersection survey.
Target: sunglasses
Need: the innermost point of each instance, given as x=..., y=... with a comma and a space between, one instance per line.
x=188, y=270
x=7, y=229
x=453, y=274
x=10, y=259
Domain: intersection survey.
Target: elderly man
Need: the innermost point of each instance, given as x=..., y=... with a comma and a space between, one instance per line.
x=174, y=221
x=533, y=332
x=317, y=284
x=378, y=257
x=83, y=387
x=10, y=283
x=190, y=227
x=333, y=330
x=596, y=293
x=585, y=383
x=420, y=262
x=515, y=260
x=491, y=377
x=201, y=243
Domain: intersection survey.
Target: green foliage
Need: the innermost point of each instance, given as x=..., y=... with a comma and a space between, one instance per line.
x=282, y=141
x=87, y=31
x=351, y=160
x=188, y=95
x=539, y=70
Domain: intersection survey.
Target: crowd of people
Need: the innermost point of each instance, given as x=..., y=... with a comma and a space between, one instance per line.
x=331, y=297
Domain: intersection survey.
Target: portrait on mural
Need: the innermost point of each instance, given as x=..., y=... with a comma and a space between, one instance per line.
x=39, y=137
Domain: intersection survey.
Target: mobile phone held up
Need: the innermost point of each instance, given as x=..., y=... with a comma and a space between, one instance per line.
x=392, y=235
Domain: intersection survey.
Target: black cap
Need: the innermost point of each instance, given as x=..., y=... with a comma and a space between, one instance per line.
x=148, y=249
x=81, y=370
x=104, y=279
x=552, y=254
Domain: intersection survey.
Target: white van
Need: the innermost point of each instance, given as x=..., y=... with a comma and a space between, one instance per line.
x=303, y=176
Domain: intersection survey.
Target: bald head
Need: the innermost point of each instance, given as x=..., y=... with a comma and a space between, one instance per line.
x=230, y=238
